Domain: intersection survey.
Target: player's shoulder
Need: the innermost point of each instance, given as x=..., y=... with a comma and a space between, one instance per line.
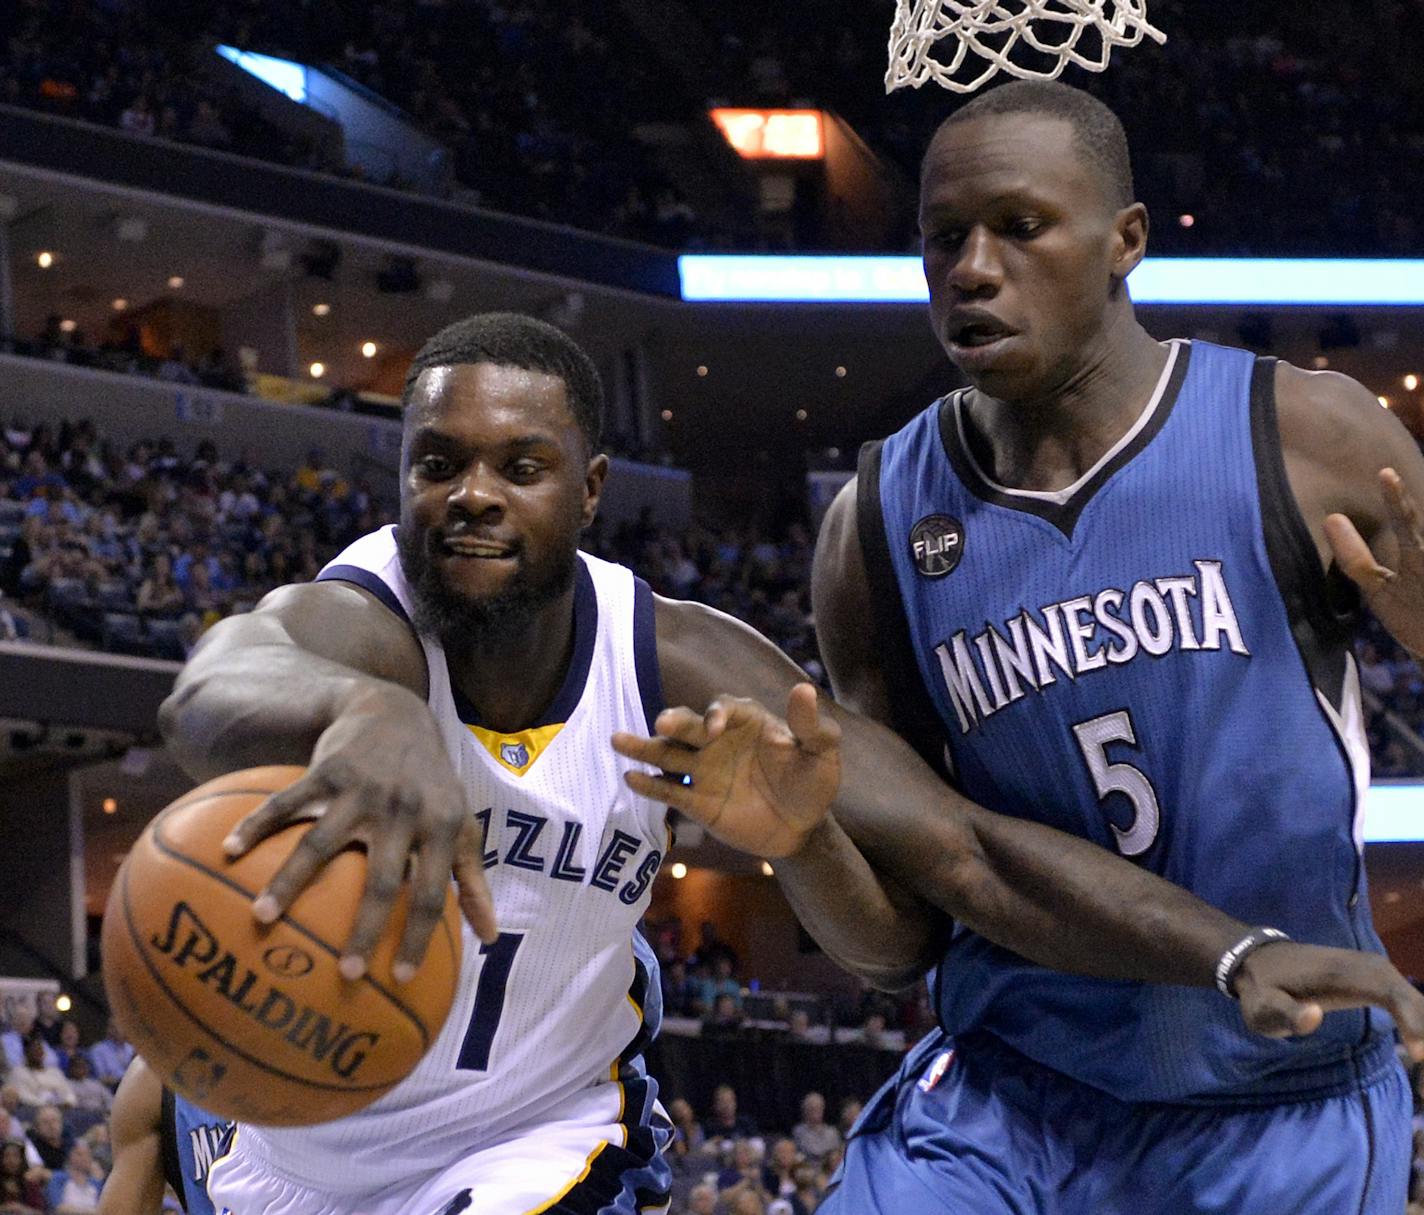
x=1333, y=418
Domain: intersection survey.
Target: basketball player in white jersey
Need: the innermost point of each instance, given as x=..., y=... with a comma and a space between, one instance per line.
x=452, y=686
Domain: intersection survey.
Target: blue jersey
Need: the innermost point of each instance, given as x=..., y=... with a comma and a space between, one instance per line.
x=191, y=1140
x=1149, y=659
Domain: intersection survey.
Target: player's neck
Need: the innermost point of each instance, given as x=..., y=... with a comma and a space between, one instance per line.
x=512, y=678
x=1049, y=444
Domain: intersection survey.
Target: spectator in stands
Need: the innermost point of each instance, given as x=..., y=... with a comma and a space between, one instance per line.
x=850, y=1111
x=724, y=1121
x=74, y=1189
x=680, y=991
x=872, y=1032
x=13, y=1130
x=50, y=1137
x=702, y=1199
x=815, y=1138
x=97, y=1137
x=711, y=947
x=37, y=1083
x=160, y=594
x=744, y=1168
x=725, y=1016
x=720, y=983
x=89, y=1094
x=66, y=1045
x=745, y=1200
x=688, y=1137
x=112, y=1056
x=138, y=118
x=811, y=1182
x=778, y=1175
x=48, y=1022
x=20, y=1194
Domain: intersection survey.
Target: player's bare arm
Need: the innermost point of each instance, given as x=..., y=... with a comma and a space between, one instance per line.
x=760, y=782
x=1358, y=478
x=325, y=675
x=865, y=922
x=135, y=1186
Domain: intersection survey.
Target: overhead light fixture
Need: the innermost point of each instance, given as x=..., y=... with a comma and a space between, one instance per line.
x=110, y=805
x=368, y=350
x=801, y=415
x=1411, y=382
x=1187, y=221
x=666, y=415
x=773, y=134
x=679, y=870
x=318, y=370
x=840, y=373
x=1383, y=401
x=68, y=325
x=767, y=870
x=120, y=304
x=45, y=259
x=63, y=1003
x=175, y=281
x=701, y=371
x=321, y=309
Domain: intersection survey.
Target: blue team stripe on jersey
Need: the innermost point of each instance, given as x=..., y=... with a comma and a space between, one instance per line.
x=645, y=652
x=367, y=581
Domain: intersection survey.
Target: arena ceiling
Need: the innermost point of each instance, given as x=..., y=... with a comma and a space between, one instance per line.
x=736, y=378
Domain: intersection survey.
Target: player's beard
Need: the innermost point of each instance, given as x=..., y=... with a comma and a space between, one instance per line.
x=459, y=621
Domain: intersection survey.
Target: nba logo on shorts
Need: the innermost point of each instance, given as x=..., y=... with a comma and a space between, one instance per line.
x=516, y=755
x=937, y=1070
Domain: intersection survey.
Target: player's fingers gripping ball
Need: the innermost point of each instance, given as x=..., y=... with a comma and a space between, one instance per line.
x=251, y=1021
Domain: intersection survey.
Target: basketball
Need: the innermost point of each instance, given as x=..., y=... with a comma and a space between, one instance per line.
x=253, y=1021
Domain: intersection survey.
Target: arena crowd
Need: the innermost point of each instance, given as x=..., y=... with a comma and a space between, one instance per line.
x=538, y=108
x=140, y=551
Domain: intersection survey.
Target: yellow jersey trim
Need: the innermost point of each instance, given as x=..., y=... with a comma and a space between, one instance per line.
x=519, y=752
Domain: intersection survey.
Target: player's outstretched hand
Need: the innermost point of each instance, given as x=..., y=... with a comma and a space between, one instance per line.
x=379, y=775
x=759, y=783
x=1394, y=595
x=1287, y=989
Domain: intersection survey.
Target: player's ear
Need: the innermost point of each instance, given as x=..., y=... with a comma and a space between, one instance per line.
x=1129, y=240
x=594, y=477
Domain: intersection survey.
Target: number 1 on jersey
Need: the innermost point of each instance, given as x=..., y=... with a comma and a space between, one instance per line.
x=489, y=1001
x=1093, y=737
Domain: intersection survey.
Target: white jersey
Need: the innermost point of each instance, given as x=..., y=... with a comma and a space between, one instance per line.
x=568, y=995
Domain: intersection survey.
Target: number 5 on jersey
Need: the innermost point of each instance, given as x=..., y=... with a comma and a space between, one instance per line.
x=1093, y=738
x=489, y=1001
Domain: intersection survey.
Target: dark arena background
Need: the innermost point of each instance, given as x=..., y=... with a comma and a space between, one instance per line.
x=225, y=229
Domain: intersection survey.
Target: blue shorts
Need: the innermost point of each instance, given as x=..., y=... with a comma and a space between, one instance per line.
x=988, y=1132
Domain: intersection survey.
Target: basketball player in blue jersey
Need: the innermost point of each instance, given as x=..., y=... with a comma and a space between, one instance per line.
x=452, y=686
x=159, y=1138
x=1111, y=583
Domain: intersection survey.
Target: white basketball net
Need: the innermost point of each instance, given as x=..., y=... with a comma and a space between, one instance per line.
x=1033, y=39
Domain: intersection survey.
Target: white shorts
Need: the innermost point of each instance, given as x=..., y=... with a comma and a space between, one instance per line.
x=578, y=1160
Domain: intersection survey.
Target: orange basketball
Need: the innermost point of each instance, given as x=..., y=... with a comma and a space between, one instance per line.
x=254, y=1021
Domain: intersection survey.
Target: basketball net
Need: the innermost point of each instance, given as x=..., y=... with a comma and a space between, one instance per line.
x=1032, y=39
